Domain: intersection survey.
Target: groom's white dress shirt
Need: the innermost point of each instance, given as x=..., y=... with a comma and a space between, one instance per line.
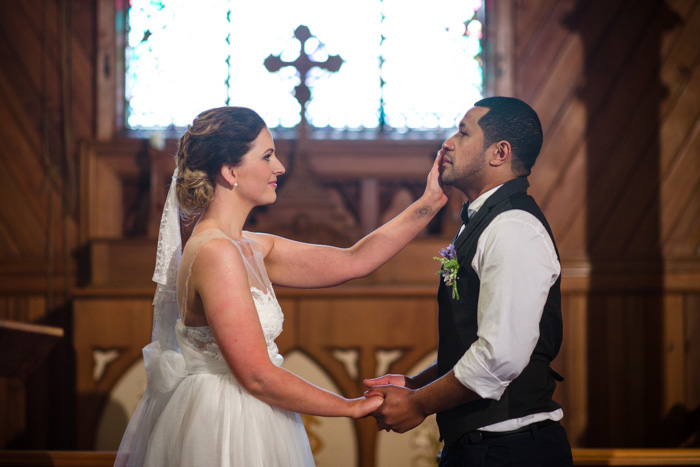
x=516, y=264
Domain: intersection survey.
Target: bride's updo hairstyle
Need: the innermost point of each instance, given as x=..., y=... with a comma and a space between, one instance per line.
x=216, y=137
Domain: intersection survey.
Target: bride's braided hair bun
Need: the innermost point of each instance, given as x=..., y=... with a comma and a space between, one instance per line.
x=216, y=137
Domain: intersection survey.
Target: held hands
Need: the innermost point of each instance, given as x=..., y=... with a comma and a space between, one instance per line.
x=399, y=412
x=363, y=406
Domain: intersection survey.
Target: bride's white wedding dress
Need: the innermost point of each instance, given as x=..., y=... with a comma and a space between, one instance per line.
x=208, y=418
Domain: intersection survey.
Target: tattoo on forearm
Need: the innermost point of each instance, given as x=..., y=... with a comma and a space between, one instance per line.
x=424, y=211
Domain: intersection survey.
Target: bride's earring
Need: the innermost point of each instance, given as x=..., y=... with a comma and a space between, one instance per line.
x=235, y=184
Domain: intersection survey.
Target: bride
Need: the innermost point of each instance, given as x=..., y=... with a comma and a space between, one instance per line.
x=216, y=393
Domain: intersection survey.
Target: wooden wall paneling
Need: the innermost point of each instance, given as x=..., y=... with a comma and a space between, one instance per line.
x=27, y=188
x=22, y=160
x=614, y=160
x=567, y=210
x=7, y=240
x=28, y=62
x=609, y=402
x=24, y=102
x=22, y=143
x=33, y=69
x=679, y=130
x=82, y=76
x=80, y=59
x=29, y=44
x=673, y=348
x=679, y=75
x=679, y=52
x=37, y=34
x=13, y=407
x=573, y=357
x=32, y=239
x=559, y=85
x=560, y=58
x=638, y=194
x=527, y=18
x=565, y=191
x=606, y=49
x=679, y=165
x=499, y=72
x=684, y=239
x=84, y=22
x=125, y=263
x=680, y=229
x=536, y=64
x=559, y=112
x=681, y=401
x=20, y=105
x=641, y=359
x=105, y=71
x=559, y=151
x=105, y=200
x=679, y=162
x=106, y=167
x=691, y=349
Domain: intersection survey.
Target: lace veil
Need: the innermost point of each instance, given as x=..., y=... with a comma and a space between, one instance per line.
x=165, y=309
x=164, y=364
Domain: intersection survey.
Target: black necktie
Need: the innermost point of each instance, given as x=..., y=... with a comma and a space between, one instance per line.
x=464, y=213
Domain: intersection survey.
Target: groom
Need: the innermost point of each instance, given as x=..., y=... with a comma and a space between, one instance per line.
x=500, y=322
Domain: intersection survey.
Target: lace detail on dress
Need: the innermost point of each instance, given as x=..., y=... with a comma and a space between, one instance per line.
x=202, y=339
x=271, y=319
x=270, y=312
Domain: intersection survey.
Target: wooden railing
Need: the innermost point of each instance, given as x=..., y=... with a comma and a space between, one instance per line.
x=582, y=458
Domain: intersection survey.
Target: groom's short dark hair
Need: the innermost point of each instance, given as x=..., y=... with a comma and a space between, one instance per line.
x=512, y=120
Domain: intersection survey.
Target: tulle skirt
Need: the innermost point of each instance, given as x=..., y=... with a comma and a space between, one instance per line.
x=209, y=419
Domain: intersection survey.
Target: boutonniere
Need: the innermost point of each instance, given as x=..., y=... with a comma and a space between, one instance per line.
x=449, y=266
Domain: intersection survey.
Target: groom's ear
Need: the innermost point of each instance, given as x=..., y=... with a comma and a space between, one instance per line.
x=500, y=153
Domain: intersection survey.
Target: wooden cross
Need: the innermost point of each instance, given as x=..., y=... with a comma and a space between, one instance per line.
x=303, y=64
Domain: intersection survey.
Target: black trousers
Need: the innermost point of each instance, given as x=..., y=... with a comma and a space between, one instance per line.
x=540, y=445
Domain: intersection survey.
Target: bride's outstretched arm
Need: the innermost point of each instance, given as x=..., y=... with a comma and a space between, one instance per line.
x=219, y=279
x=296, y=264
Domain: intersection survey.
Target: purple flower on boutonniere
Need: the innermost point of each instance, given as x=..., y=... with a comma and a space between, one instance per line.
x=449, y=266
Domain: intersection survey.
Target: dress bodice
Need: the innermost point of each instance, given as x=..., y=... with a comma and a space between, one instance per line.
x=197, y=343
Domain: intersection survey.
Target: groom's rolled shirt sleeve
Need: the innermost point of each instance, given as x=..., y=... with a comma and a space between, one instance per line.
x=517, y=265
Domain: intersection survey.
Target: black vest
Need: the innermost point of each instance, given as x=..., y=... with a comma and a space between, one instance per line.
x=531, y=392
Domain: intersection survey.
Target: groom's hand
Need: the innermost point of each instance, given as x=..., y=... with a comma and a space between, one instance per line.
x=399, y=411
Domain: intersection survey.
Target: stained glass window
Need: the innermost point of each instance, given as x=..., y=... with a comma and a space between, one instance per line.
x=407, y=64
